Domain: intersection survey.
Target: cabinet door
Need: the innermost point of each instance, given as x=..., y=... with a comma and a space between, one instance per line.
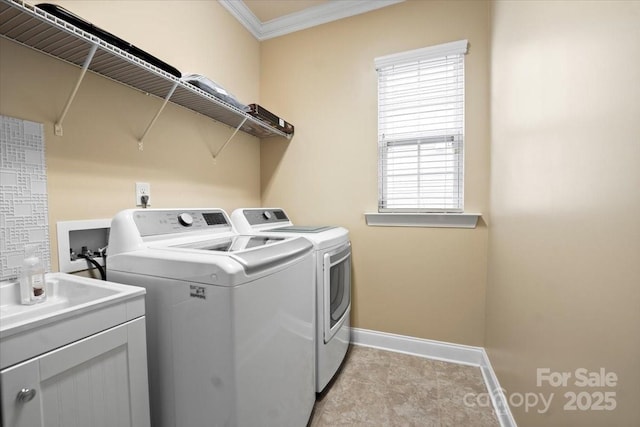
x=97, y=381
x=21, y=395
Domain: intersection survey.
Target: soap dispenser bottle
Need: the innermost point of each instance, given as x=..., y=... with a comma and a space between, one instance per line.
x=32, y=284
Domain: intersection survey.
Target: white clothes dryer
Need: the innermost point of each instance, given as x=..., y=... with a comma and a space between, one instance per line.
x=229, y=318
x=332, y=250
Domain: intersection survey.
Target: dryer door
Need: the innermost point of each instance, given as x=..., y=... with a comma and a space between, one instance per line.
x=337, y=289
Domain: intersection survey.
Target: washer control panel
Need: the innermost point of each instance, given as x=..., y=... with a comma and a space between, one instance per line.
x=265, y=216
x=153, y=222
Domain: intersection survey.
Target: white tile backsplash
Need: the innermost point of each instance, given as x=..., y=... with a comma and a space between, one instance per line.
x=23, y=194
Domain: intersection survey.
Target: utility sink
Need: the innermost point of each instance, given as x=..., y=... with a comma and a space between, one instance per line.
x=64, y=294
x=75, y=308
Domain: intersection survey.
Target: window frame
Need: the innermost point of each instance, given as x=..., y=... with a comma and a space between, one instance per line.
x=438, y=52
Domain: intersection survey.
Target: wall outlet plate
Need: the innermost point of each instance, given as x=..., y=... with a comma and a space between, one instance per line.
x=143, y=189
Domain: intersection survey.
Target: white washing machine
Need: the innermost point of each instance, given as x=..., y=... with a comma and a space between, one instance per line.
x=230, y=324
x=332, y=251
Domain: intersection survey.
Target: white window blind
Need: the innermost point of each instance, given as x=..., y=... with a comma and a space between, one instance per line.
x=421, y=129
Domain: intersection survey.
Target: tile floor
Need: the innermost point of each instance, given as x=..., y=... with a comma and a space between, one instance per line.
x=381, y=388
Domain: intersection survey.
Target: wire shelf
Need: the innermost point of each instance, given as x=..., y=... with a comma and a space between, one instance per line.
x=32, y=27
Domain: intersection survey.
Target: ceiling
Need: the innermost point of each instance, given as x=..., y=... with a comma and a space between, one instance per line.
x=267, y=19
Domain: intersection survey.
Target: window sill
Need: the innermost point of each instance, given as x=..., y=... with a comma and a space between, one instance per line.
x=438, y=220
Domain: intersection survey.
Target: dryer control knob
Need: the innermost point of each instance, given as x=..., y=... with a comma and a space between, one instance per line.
x=185, y=219
x=266, y=215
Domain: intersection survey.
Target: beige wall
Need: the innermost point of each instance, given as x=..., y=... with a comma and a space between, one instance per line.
x=92, y=169
x=564, y=244
x=564, y=260
x=422, y=282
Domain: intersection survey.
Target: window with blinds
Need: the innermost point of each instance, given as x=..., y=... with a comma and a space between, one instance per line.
x=421, y=129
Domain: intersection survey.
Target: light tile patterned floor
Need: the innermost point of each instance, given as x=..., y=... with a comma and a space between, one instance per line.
x=381, y=388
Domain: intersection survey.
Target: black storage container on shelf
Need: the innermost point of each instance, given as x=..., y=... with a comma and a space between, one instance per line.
x=65, y=15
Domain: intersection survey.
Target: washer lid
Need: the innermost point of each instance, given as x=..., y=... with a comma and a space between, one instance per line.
x=231, y=244
x=254, y=253
x=303, y=229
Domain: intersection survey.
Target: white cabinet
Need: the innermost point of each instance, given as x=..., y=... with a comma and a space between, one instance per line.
x=97, y=381
x=78, y=359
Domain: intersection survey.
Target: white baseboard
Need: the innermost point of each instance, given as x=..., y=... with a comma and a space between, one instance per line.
x=496, y=392
x=446, y=352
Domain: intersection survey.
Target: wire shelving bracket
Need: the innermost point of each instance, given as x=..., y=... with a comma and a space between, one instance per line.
x=215, y=156
x=164, y=104
x=57, y=127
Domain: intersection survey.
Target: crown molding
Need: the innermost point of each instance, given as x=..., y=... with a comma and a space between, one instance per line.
x=243, y=14
x=321, y=14
x=317, y=15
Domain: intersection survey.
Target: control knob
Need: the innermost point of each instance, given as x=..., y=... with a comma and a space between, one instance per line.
x=185, y=219
x=266, y=215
